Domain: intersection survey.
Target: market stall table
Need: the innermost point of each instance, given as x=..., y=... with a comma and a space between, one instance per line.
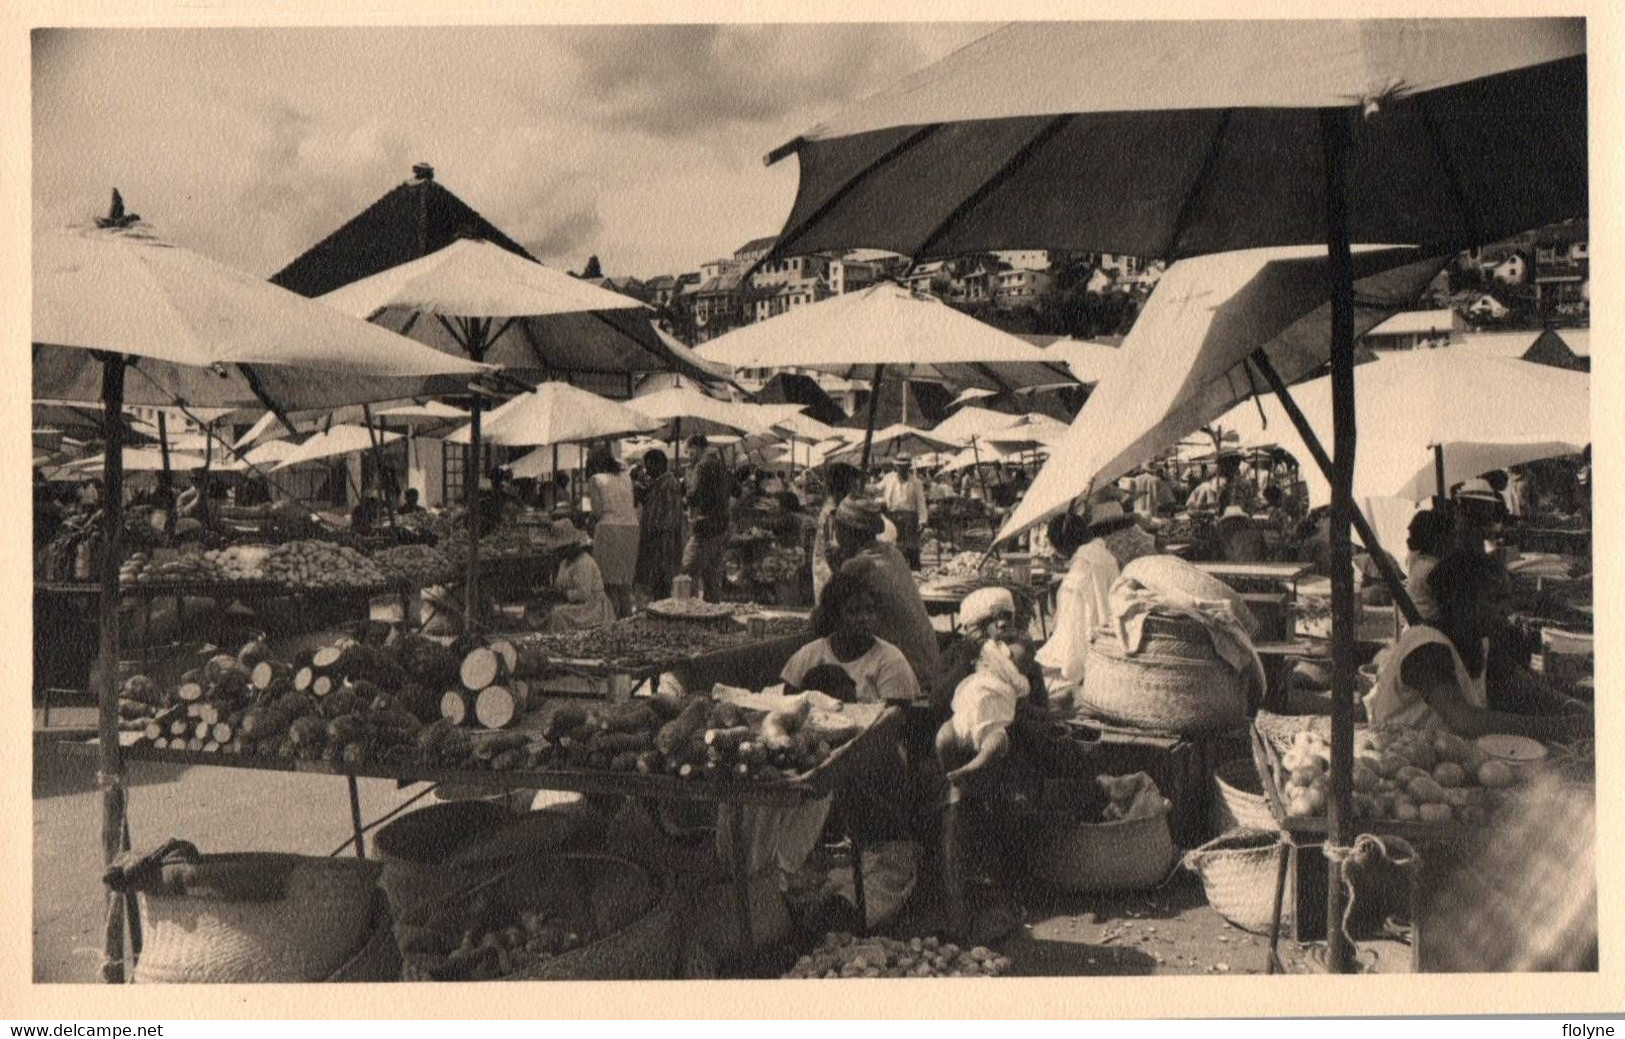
x=841, y=771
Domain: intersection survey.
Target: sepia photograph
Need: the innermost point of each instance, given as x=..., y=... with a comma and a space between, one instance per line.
x=811, y=500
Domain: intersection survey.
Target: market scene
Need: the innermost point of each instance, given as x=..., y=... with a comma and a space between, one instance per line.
x=1125, y=524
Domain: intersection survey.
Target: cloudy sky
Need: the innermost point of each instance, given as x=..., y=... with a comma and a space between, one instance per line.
x=642, y=145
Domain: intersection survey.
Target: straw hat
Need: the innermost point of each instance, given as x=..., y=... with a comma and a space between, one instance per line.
x=860, y=514
x=564, y=533
x=1233, y=512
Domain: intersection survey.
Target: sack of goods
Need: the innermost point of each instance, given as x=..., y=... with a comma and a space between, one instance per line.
x=1175, y=655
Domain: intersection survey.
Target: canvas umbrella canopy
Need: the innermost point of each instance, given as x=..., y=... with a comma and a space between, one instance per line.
x=543, y=462
x=804, y=428
x=1478, y=413
x=969, y=422
x=892, y=441
x=886, y=328
x=689, y=410
x=1090, y=362
x=974, y=393
x=334, y=443
x=546, y=320
x=557, y=413
x=1188, y=138
x=140, y=459
x=1193, y=355
x=483, y=301
x=118, y=316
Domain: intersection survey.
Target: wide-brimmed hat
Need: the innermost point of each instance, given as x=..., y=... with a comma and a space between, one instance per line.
x=1478, y=488
x=903, y=459
x=563, y=533
x=861, y=514
x=1233, y=512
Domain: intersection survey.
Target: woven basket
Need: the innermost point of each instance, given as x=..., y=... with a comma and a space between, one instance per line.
x=1125, y=855
x=1238, y=873
x=1176, y=683
x=1240, y=802
x=378, y=959
x=209, y=925
x=644, y=943
x=417, y=850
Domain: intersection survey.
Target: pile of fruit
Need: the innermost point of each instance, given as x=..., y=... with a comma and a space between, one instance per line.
x=140, y=569
x=968, y=566
x=779, y=564
x=1408, y=775
x=692, y=738
x=488, y=951
x=422, y=563
x=531, y=917
x=847, y=956
x=239, y=562
x=308, y=565
x=639, y=642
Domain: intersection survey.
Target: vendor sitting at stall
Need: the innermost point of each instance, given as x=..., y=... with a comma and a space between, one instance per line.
x=902, y=617
x=1427, y=538
x=1100, y=545
x=845, y=623
x=1447, y=674
x=844, y=480
x=988, y=622
x=578, y=586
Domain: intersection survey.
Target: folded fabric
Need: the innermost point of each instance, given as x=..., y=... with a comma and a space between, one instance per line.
x=1132, y=602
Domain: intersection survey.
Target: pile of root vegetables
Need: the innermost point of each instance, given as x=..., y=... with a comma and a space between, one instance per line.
x=639, y=642
x=692, y=738
x=357, y=704
x=847, y=956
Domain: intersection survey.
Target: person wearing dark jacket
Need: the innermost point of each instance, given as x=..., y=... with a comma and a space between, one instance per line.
x=709, y=499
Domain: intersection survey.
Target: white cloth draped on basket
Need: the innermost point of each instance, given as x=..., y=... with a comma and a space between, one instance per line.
x=1133, y=601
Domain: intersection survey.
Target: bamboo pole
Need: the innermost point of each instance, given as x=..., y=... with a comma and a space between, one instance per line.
x=104, y=678
x=378, y=461
x=874, y=405
x=1336, y=136
x=476, y=332
x=167, y=480
x=1441, y=502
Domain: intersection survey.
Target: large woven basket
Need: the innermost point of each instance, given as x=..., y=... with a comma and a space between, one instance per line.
x=1238, y=872
x=1239, y=801
x=1175, y=683
x=1125, y=855
x=378, y=959
x=645, y=944
x=418, y=852
x=254, y=917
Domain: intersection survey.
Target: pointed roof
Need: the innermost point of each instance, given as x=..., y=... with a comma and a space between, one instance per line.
x=794, y=388
x=410, y=221
x=1550, y=348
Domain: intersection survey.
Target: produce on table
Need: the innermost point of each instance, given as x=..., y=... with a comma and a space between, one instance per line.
x=303, y=565
x=969, y=566
x=333, y=706
x=639, y=642
x=139, y=568
x=779, y=564
x=691, y=609
x=1407, y=775
x=421, y=563
x=239, y=562
x=693, y=738
x=848, y=956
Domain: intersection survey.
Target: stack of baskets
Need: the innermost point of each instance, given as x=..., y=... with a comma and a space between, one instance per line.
x=1239, y=867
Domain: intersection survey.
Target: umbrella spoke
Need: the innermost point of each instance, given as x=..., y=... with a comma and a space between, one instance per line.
x=1197, y=189
x=996, y=180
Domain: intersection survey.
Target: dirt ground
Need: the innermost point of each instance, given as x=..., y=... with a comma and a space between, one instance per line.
x=1170, y=930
